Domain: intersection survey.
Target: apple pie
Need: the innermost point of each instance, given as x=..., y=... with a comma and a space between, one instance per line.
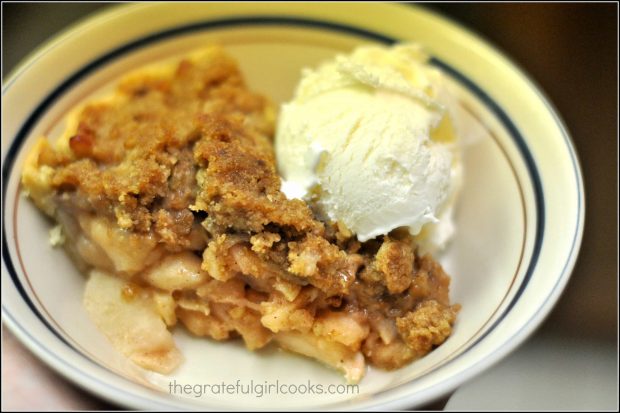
x=167, y=196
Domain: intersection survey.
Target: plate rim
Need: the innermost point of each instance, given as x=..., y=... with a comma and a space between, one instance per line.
x=530, y=325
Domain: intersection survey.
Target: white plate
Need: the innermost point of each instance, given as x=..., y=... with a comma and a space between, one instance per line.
x=519, y=220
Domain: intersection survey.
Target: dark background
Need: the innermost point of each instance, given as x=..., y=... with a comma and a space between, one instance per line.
x=570, y=50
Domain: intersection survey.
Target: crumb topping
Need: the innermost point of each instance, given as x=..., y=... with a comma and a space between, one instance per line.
x=183, y=158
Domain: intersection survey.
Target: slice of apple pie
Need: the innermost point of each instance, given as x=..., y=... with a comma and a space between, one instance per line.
x=167, y=195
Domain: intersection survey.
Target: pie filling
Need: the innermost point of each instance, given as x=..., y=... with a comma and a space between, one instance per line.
x=166, y=193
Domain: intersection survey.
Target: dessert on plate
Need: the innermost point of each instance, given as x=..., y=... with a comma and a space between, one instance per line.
x=167, y=195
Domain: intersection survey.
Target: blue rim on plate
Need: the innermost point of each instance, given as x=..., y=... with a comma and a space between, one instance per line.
x=303, y=22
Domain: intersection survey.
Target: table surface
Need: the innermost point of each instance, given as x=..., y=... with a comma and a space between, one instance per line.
x=571, y=362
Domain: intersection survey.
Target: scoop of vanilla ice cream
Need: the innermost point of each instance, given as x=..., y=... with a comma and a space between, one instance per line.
x=369, y=138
